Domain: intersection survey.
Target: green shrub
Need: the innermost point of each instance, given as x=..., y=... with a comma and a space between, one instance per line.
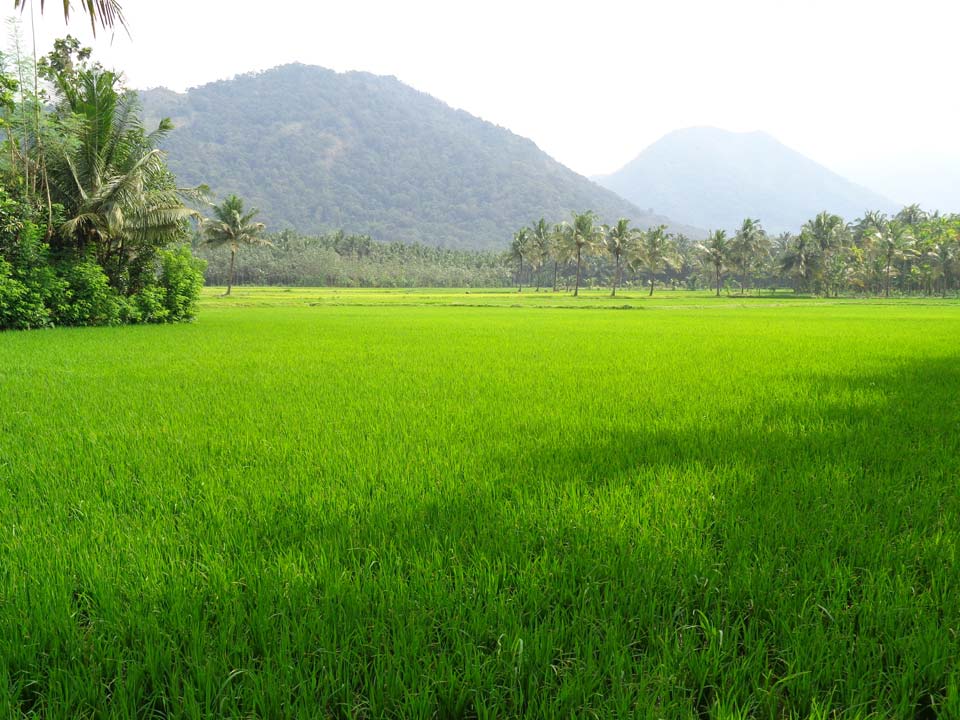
x=181, y=278
x=149, y=305
x=89, y=298
x=21, y=306
x=31, y=288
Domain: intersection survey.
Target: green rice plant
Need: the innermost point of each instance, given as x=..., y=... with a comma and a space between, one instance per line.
x=384, y=504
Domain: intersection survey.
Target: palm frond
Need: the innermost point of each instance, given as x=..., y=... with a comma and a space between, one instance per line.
x=107, y=12
x=124, y=128
x=74, y=225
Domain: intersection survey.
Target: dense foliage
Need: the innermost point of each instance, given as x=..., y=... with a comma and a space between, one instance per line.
x=340, y=260
x=317, y=150
x=92, y=225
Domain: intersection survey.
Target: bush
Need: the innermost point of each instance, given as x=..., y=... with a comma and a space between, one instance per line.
x=89, y=298
x=148, y=305
x=31, y=288
x=181, y=278
x=21, y=307
x=40, y=286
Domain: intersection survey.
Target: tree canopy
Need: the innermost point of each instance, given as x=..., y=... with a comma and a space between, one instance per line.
x=96, y=227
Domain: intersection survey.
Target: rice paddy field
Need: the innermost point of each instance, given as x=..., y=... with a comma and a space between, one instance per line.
x=465, y=504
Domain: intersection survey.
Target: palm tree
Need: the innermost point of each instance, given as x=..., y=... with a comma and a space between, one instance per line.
x=584, y=236
x=801, y=259
x=828, y=230
x=865, y=227
x=560, y=244
x=746, y=247
x=620, y=240
x=949, y=249
x=866, y=231
x=655, y=252
x=232, y=226
x=838, y=267
x=939, y=241
x=716, y=251
x=895, y=243
x=829, y=234
x=912, y=215
x=119, y=198
x=540, y=240
x=107, y=12
x=519, y=249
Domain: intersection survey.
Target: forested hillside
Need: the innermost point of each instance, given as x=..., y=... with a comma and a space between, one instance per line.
x=317, y=150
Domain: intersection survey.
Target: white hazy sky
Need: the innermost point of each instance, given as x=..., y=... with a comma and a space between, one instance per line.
x=592, y=83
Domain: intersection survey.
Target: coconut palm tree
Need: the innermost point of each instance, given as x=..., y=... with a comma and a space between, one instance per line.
x=120, y=201
x=912, y=215
x=655, y=252
x=801, y=260
x=746, y=248
x=828, y=231
x=940, y=248
x=620, y=240
x=716, y=252
x=106, y=12
x=232, y=226
x=520, y=248
x=560, y=244
x=865, y=227
x=584, y=237
x=829, y=235
x=540, y=242
x=894, y=243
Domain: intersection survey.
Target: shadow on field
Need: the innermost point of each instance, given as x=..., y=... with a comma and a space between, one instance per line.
x=822, y=527
x=902, y=422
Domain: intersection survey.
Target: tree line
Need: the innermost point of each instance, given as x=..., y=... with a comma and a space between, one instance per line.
x=338, y=259
x=914, y=252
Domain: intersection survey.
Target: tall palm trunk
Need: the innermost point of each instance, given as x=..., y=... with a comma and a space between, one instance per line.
x=576, y=288
x=23, y=115
x=886, y=281
x=41, y=155
x=556, y=265
x=616, y=277
x=233, y=254
x=520, y=276
x=653, y=279
x=8, y=122
x=718, y=279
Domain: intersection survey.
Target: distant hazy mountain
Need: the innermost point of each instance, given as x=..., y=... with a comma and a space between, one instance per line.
x=931, y=180
x=714, y=179
x=318, y=150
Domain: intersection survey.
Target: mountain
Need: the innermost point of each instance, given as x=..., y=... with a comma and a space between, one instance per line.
x=714, y=179
x=931, y=179
x=317, y=150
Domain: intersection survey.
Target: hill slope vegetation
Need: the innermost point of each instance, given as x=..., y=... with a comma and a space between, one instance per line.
x=318, y=150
